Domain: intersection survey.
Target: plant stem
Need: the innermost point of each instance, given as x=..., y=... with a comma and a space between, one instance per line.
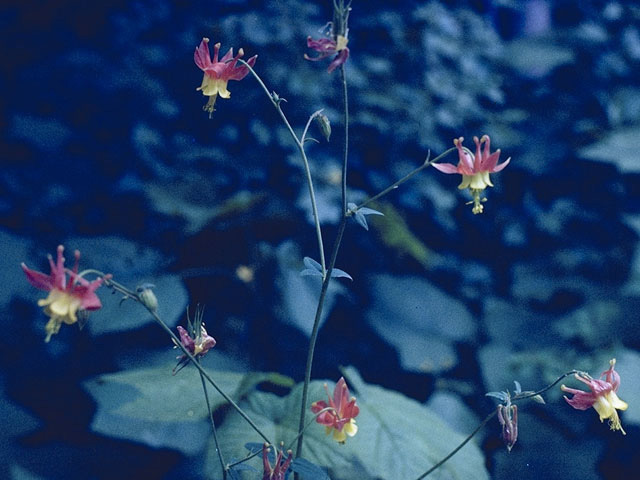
x=133, y=295
x=515, y=398
x=345, y=144
x=395, y=185
x=213, y=428
x=332, y=262
x=524, y=395
x=314, y=332
x=275, y=100
x=457, y=449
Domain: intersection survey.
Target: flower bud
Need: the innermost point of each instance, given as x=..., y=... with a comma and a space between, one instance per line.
x=508, y=418
x=147, y=297
x=325, y=125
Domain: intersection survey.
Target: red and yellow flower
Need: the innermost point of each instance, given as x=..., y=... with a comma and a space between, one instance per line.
x=340, y=412
x=328, y=46
x=603, y=396
x=475, y=169
x=67, y=297
x=217, y=73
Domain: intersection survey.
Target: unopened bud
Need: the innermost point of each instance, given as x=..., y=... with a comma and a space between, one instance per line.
x=508, y=418
x=325, y=125
x=147, y=297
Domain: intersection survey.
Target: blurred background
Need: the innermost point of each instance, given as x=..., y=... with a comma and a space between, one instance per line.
x=105, y=148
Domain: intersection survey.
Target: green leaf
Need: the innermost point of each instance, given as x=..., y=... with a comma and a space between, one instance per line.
x=337, y=273
x=397, y=437
x=150, y=405
x=313, y=267
x=359, y=214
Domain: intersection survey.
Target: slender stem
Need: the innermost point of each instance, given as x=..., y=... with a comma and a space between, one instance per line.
x=327, y=277
x=133, y=295
x=303, y=138
x=315, y=416
x=276, y=101
x=395, y=185
x=515, y=398
x=248, y=457
x=213, y=429
x=457, y=449
x=345, y=144
x=524, y=395
x=314, y=332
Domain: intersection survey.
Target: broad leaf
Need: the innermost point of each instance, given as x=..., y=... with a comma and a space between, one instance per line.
x=397, y=437
x=151, y=406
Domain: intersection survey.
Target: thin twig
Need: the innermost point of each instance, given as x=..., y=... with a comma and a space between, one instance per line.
x=457, y=449
x=395, y=185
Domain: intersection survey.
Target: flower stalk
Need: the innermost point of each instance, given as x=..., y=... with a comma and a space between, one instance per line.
x=514, y=398
x=276, y=101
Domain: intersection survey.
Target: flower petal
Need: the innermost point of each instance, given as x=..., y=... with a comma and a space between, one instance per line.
x=201, y=56
x=445, y=167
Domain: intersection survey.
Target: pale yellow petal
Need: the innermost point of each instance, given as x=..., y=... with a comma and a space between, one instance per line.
x=616, y=402
x=350, y=428
x=339, y=436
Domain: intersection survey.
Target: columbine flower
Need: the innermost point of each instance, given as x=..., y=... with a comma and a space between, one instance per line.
x=336, y=39
x=602, y=396
x=341, y=416
x=508, y=418
x=328, y=46
x=195, y=339
x=66, y=299
x=280, y=467
x=475, y=169
x=218, y=73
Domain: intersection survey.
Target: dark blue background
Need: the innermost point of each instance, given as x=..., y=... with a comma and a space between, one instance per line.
x=103, y=135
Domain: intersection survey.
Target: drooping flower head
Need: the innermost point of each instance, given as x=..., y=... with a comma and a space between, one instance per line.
x=342, y=413
x=475, y=169
x=335, y=40
x=67, y=298
x=218, y=72
x=327, y=47
x=280, y=468
x=194, y=338
x=603, y=396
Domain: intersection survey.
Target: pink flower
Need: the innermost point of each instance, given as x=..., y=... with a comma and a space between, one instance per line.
x=341, y=416
x=475, y=169
x=602, y=397
x=218, y=73
x=326, y=47
x=66, y=299
x=280, y=468
x=196, y=340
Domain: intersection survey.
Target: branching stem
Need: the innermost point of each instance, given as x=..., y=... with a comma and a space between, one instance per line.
x=276, y=101
x=109, y=282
